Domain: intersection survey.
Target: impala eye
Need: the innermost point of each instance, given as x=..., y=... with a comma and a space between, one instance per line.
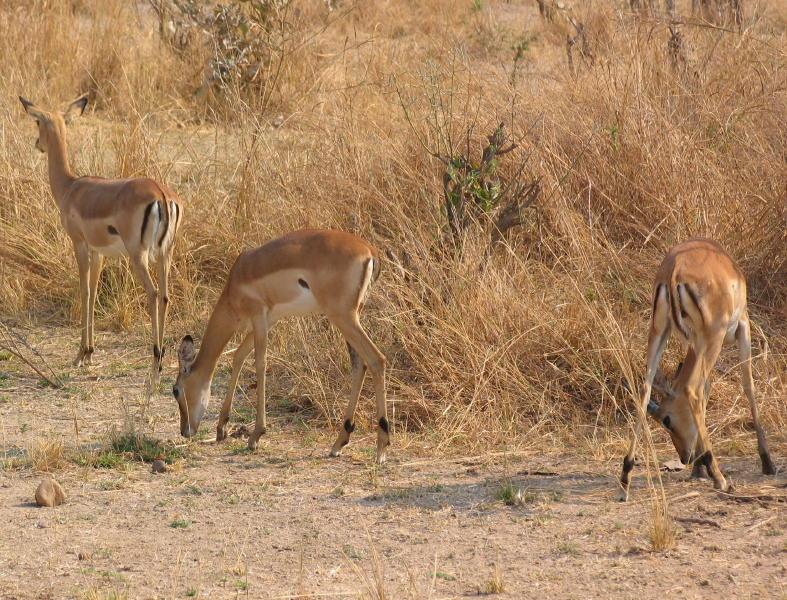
x=666, y=421
x=175, y=391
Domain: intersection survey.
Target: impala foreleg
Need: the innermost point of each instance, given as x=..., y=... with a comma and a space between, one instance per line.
x=237, y=364
x=743, y=337
x=709, y=355
x=260, y=334
x=96, y=264
x=348, y=425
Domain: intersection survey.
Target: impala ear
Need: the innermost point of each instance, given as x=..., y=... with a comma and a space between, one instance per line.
x=75, y=109
x=31, y=109
x=186, y=352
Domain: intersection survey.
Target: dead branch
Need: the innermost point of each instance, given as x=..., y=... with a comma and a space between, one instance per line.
x=15, y=343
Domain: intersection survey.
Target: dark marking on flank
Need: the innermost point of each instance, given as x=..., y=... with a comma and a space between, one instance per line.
x=349, y=426
x=696, y=301
x=303, y=284
x=384, y=424
x=674, y=301
x=148, y=208
x=112, y=230
x=656, y=297
x=164, y=215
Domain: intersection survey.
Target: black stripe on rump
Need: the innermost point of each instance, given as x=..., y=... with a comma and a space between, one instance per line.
x=656, y=297
x=696, y=301
x=164, y=209
x=676, y=310
x=148, y=208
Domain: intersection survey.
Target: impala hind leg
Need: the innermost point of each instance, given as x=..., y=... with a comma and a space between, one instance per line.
x=260, y=336
x=743, y=336
x=82, y=254
x=96, y=264
x=237, y=364
x=348, y=426
x=139, y=265
x=162, y=274
x=355, y=335
x=657, y=340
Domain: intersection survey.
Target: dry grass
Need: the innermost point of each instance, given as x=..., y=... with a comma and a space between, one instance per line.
x=47, y=454
x=632, y=153
x=662, y=532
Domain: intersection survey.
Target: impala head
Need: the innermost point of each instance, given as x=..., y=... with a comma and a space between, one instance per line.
x=52, y=125
x=191, y=394
x=676, y=416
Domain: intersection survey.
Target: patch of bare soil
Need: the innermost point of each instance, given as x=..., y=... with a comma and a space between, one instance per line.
x=288, y=522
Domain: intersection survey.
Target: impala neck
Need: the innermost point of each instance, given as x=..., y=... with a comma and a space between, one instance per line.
x=222, y=325
x=60, y=175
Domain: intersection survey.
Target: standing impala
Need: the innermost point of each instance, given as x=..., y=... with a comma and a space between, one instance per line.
x=138, y=218
x=305, y=272
x=700, y=293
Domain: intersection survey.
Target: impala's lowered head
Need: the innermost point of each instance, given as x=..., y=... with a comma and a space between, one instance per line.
x=191, y=394
x=53, y=124
x=676, y=415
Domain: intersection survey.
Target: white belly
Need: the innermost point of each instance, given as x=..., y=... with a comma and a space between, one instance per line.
x=303, y=304
x=115, y=250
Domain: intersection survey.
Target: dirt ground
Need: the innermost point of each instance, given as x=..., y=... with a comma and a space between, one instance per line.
x=288, y=522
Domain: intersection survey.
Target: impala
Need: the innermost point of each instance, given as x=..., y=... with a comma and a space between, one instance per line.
x=700, y=294
x=305, y=272
x=138, y=218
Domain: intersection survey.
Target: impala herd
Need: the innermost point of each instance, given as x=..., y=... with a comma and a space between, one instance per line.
x=699, y=294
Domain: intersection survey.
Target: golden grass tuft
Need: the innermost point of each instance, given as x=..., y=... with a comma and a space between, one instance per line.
x=47, y=454
x=662, y=531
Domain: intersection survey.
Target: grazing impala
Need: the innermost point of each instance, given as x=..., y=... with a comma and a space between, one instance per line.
x=699, y=293
x=305, y=272
x=138, y=218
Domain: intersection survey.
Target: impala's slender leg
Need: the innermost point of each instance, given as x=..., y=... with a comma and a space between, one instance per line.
x=698, y=470
x=96, y=264
x=658, y=336
x=743, y=336
x=82, y=253
x=708, y=355
x=260, y=333
x=237, y=363
x=355, y=335
x=358, y=374
x=139, y=265
x=162, y=273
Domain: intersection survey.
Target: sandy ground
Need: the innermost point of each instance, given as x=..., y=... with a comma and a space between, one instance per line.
x=288, y=522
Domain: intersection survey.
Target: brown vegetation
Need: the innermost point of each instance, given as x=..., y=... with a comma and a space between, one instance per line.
x=334, y=117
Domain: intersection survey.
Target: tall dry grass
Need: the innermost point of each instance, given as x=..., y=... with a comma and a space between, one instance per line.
x=634, y=154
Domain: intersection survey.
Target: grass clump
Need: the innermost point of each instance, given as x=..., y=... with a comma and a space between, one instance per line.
x=46, y=455
x=126, y=448
x=662, y=531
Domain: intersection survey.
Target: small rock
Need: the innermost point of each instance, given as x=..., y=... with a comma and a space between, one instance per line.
x=158, y=466
x=49, y=493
